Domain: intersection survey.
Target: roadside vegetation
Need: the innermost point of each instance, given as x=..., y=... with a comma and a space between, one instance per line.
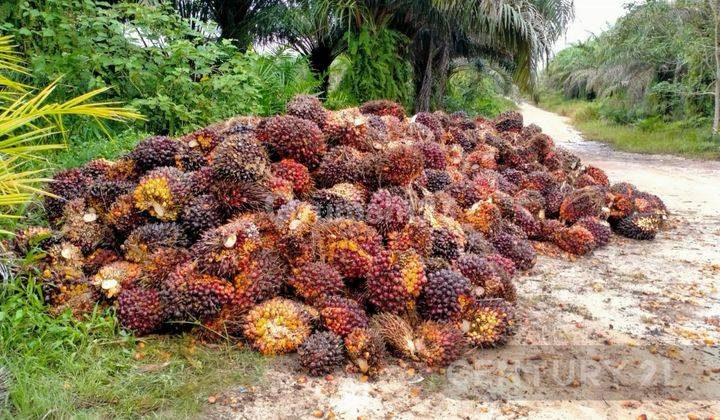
x=647, y=84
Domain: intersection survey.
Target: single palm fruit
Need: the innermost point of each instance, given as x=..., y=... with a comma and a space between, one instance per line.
x=276, y=326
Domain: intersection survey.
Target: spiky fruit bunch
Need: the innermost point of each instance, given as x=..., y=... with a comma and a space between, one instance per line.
x=432, y=122
x=236, y=197
x=162, y=193
x=443, y=295
x=154, y=152
x=416, y=235
x=82, y=227
x=587, y=201
x=321, y=353
x=224, y=251
x=542, y=144
x=484, y=216
x=486, y=274
x=160, y=264
x=101, y=194
x=188, y=158
x=488, y=322
x=296, y=218
x=75, y=295
x=226, y=325
x=200, y=214
x=642, y=226
x=240, y=158
x=307, y=107
x=600, y=229
x=340, y=164
x=294, y=172
x=261, y=278
x=465, y=192
x=396, y=281
x=436, y=179
x=332, y=205
x=147, y=239
x=445, y=244
x=366, y=350
x=347, y=127
x=96, y=168
x=477, y=243
x=140, y=310
x=532, y=200
x=598, y=175
x=66, y=185
x=434, y=155
x=519, y=250
x=382, y=107
x=439, y=344
x=349, y=246
x=397, y=333
x=649, y=203
x=33, y=236
x=189, y=295
x=293, y=138
x=399, y=165
x=98, y=259
x=387, y=212
x=63, y=261
x=317, y=281
x=522, y=218
x=509, y=121
x=341, y=315
x=117, y=276
x=123, y=215
x=576, y=240
x=276, y=326
x=203, y=140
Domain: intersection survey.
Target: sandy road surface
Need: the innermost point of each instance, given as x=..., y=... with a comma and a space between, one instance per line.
x=628, y=311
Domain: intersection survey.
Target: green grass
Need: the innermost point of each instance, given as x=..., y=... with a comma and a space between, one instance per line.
x=649, y=136
x=60, y=367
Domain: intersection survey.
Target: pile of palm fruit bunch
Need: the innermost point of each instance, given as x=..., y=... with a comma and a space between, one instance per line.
x=344, y=236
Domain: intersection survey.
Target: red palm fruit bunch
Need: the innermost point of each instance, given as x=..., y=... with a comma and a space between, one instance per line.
x=261, y=278
x=116, y=276
x=140, y=309
x=366, y=350
x=586, y=201
x=277, y=326
x=296, y=218
x=296, y=173
x=293, y=138
x=382, y=107
x=203, y=140
x=334, y=204
x=493, y=280
x=576, y=240
x=340, y=164
x=321, y=353
x=154, y=152
x=416, y=235
x=488, y=322
x=225, y=250
x=432, y=122
x=396, y=281
x=484, y=216
x=347, y=127
x=148, y=238
x=398, y=165
x=641, y=226
x=316, y=281
x=82, y=226
x=341, y=315
x=599, y=228
x=387, y=212
x=162, y=193
x=443, y=295
x=511, y=121
x=240, y=158
x=349, y=246
x=434, y=156
x=189, y=295
x=66, y=185
x=517, y=249
x=308, y=107
x=439, y=344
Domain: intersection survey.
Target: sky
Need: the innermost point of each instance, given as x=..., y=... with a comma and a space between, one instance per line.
x=591, y=17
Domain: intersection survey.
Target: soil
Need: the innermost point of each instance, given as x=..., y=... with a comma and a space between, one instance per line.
x=644, y=314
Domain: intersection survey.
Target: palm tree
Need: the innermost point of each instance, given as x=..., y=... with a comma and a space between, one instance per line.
x=27, y=119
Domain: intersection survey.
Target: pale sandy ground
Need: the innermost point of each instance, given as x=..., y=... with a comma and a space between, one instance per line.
x=637, y=307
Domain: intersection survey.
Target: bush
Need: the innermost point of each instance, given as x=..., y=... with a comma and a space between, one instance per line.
x=152, y=59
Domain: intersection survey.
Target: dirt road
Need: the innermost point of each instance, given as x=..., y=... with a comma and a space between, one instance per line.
x=632, y=308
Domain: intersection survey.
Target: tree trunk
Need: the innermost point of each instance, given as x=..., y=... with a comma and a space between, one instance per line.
x=716, y=118
x=320, y=60
x=424, y=79
x=232, y=17
x=442, y=68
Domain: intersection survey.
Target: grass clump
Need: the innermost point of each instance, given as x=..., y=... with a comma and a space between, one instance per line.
x=61, y=367
x=690, y=138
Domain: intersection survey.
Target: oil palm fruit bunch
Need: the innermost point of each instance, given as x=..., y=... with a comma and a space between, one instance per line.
x=330, y=233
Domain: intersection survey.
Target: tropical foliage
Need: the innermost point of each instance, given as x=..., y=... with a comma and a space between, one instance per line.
x=656, y=62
